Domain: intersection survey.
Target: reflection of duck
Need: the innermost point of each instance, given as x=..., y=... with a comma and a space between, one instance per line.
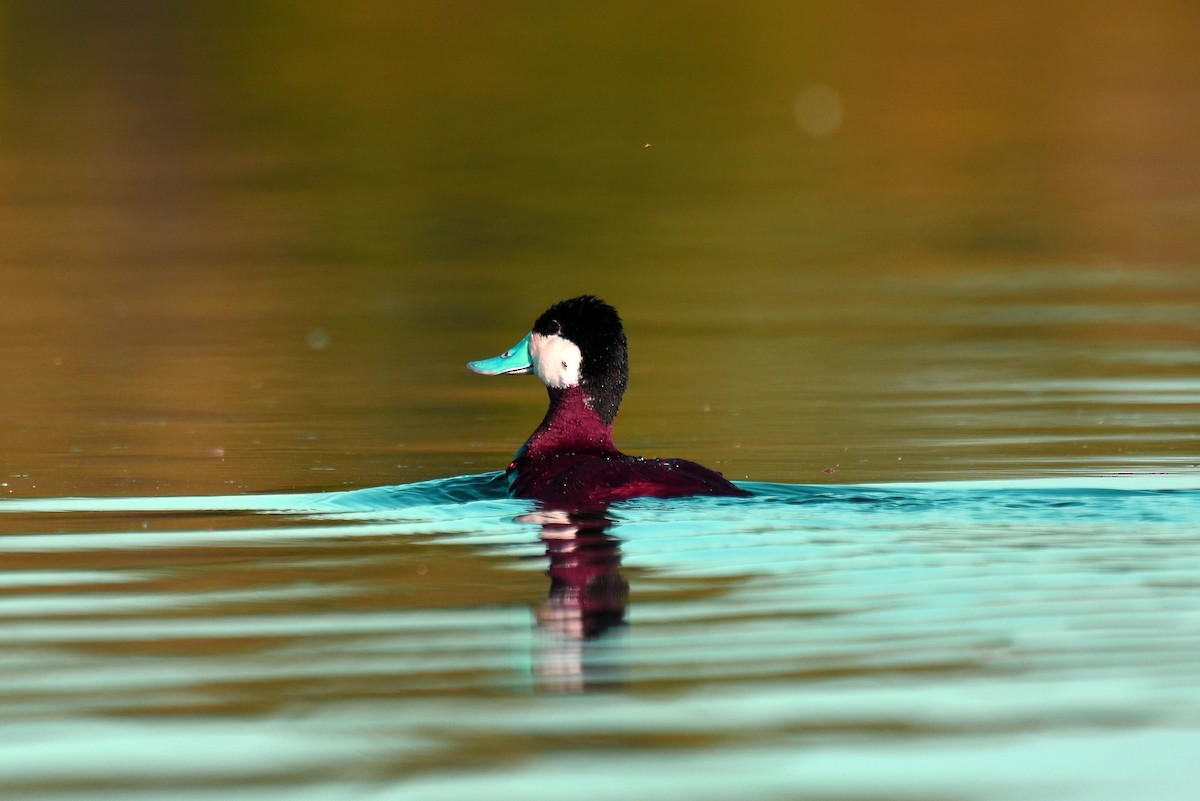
x=586, y=601
x=577, y=348
x=587, y=592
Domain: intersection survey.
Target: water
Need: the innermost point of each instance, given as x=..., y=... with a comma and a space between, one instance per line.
x=921, y=276
x=985, y=639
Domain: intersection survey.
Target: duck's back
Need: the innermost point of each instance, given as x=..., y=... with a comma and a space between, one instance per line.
x=588, y=479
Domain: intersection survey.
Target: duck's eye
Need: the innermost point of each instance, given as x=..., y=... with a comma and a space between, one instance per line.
x=553, y=328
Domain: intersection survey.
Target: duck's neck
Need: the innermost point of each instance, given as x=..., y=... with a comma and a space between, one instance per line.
x=570, y=426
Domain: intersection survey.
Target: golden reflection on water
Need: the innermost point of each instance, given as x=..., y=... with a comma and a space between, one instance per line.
x=250, y=247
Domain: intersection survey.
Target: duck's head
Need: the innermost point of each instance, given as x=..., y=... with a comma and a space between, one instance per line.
x=577, y=342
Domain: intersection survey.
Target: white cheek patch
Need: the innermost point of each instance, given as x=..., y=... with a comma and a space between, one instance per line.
x=555, y=360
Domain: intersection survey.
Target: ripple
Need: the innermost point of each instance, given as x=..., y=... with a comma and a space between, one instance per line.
x=409, y=633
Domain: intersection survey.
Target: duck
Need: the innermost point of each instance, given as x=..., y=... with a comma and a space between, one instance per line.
x=578, y=349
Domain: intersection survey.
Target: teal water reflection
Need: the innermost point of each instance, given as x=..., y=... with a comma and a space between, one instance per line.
x=979, y=640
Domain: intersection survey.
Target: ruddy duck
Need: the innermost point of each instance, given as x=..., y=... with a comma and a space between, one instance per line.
x=578, y=350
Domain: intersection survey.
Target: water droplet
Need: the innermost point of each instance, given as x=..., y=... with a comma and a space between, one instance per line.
x=317, y=339
x=818, y=110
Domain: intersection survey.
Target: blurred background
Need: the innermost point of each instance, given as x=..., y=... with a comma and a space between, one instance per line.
x=250, y=246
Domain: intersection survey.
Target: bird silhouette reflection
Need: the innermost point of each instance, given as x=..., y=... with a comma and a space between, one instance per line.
x=586, y=601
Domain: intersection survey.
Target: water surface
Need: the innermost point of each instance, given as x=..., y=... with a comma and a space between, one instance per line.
x=978, y=640
x=921, y=275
